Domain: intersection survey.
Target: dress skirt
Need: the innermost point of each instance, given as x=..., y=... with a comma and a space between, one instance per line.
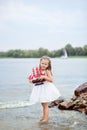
x=43, y=93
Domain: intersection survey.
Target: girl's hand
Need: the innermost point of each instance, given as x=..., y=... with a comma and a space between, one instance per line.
x=41, y=78
x=30, y=81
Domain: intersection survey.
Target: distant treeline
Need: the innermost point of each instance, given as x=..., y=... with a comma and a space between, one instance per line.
x=71, y=51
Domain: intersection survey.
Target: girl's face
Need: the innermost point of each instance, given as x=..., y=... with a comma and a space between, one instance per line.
x=44, y=64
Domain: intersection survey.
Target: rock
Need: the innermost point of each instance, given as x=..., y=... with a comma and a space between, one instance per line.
x=81, y=109
x=56, y=102
x=66, y=105
x=81, y=89
x=86, y=111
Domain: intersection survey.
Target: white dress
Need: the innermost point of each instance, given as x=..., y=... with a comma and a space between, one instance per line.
x=46, y=92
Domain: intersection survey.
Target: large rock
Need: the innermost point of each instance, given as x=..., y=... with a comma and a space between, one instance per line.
x=78, y=102
x=81, y=89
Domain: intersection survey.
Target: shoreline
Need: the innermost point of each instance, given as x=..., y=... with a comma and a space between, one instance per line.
x=37, y=57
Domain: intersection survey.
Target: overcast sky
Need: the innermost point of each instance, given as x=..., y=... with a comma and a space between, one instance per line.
x=51, y=24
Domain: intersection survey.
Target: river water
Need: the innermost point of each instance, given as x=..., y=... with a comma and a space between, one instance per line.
x=15, y=112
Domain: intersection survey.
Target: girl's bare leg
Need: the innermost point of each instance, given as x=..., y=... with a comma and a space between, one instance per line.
x=42, y=113
x=45, y=111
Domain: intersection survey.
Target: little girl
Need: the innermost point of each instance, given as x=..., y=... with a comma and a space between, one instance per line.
x=45, y=92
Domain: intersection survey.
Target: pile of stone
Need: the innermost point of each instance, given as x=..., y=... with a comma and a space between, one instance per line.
x=78, y=102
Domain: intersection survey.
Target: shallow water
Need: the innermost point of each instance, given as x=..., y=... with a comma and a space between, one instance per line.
x=27, y=118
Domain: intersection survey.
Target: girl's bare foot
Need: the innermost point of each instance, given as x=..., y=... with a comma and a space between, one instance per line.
x=44, y=120
x=41, y=118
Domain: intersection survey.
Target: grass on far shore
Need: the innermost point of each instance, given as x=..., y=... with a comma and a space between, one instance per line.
x=77, y=56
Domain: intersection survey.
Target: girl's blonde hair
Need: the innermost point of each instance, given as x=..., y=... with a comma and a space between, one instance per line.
x=49, y=65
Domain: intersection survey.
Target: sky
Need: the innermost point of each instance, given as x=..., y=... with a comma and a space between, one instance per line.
x=50, y=24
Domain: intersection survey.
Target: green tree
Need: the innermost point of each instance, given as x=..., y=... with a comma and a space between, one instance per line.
x=10, y=53
x=57, y=53
x=85, y=50
x=3, y=54
x=79, y=51
x=70, y=50
x=42, y=51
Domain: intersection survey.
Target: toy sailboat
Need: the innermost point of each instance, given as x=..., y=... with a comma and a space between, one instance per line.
x=36, y=73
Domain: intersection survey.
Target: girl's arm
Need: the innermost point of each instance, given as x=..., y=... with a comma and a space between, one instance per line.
x=48, y=76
